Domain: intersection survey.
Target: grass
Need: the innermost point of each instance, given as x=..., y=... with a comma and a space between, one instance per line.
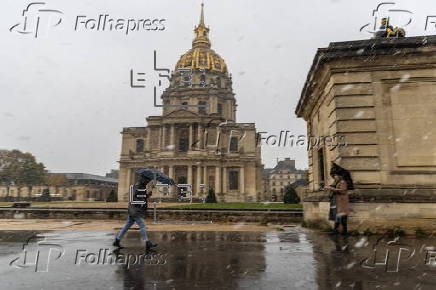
x=241, y=205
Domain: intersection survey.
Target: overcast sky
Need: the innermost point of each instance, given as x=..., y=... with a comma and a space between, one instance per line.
x=65, y=95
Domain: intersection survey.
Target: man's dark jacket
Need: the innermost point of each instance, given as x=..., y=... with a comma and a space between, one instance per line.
x=137, y=193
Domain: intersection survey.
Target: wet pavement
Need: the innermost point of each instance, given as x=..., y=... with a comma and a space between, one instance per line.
x=293, y=259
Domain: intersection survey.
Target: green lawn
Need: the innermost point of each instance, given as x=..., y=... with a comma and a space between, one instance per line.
x=231, y=205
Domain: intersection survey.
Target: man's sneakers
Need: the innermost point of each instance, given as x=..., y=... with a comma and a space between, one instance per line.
x=149, y=245
x=117, y=244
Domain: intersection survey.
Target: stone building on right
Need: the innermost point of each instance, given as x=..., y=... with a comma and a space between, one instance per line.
x=380, y=95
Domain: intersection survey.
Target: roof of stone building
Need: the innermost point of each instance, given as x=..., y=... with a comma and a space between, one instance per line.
x=81, y=176
x=286, y=164
x=300, y=182
x=201, y=56
x=359, y=48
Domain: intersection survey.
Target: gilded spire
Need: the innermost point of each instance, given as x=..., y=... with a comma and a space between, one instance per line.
x=202, y=15
x=201, y=32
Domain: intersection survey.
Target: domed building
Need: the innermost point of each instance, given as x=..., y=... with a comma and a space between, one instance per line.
x=196, y=140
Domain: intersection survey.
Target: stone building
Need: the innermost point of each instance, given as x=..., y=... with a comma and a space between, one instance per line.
x=196, y=140
x=276, y=179
x=380, y=95
x=67, y=186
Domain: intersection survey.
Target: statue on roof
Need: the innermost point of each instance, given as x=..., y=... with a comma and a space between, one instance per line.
x=388, y=31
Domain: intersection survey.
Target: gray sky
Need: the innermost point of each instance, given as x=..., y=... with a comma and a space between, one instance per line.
x=65, y=96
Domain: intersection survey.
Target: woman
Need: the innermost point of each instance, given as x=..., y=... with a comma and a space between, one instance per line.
x=340, y=191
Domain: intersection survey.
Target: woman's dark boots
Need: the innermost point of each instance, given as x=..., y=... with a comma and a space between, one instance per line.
x=344, y=221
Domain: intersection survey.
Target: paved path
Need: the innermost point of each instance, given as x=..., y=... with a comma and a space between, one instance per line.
x=94, y=225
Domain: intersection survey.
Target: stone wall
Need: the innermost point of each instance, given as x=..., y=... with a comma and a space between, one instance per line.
x=379, y=96
x=279, y=217
x=377, y=216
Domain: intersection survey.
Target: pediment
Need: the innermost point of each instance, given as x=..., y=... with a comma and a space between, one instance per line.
x=181, y=113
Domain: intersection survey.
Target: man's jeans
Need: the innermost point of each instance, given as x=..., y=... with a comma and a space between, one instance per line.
x=130, y=221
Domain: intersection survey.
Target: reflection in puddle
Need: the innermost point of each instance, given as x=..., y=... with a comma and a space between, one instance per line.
x=294, y=259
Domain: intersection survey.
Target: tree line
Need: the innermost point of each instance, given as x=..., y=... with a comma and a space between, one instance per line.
x=22, y=170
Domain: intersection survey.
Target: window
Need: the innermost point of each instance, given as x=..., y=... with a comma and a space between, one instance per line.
x=220, y=109
x=183, y=145
x=202, y=110
x=233, y=180
x=321, y=169
x=273, y=183
x=139, y=145
x=184, y=140
x=234, y=144
x=184, y=103
x=218, y=82
x=203, y=81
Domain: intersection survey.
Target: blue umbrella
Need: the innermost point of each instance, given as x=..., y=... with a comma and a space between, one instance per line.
x=155, y=175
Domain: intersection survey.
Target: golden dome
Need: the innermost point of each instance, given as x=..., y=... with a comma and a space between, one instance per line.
x=201, y=56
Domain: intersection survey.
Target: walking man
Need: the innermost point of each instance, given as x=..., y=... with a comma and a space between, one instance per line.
x=138, y=195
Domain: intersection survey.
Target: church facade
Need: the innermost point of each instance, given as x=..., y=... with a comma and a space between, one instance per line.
x=196, y=140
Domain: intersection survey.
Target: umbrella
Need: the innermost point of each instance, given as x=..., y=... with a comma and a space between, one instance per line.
x=155, y=175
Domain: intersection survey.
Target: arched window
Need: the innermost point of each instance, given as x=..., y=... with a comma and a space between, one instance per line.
x=139, y=145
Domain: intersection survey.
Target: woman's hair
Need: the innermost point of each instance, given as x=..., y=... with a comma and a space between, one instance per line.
x=344, y=173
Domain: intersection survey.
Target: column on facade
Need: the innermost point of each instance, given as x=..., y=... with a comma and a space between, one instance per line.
x=218, y=179
x=171, y=175
x=173, y=137
x=160, y=138
x=149, y=139
x=242, y=180
x=190, y=177
x=190, y=136
x=199, y=137
x=206, y=180
x=199, y=172
x=225, y=180
x=164, y=137
x=128, y=183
